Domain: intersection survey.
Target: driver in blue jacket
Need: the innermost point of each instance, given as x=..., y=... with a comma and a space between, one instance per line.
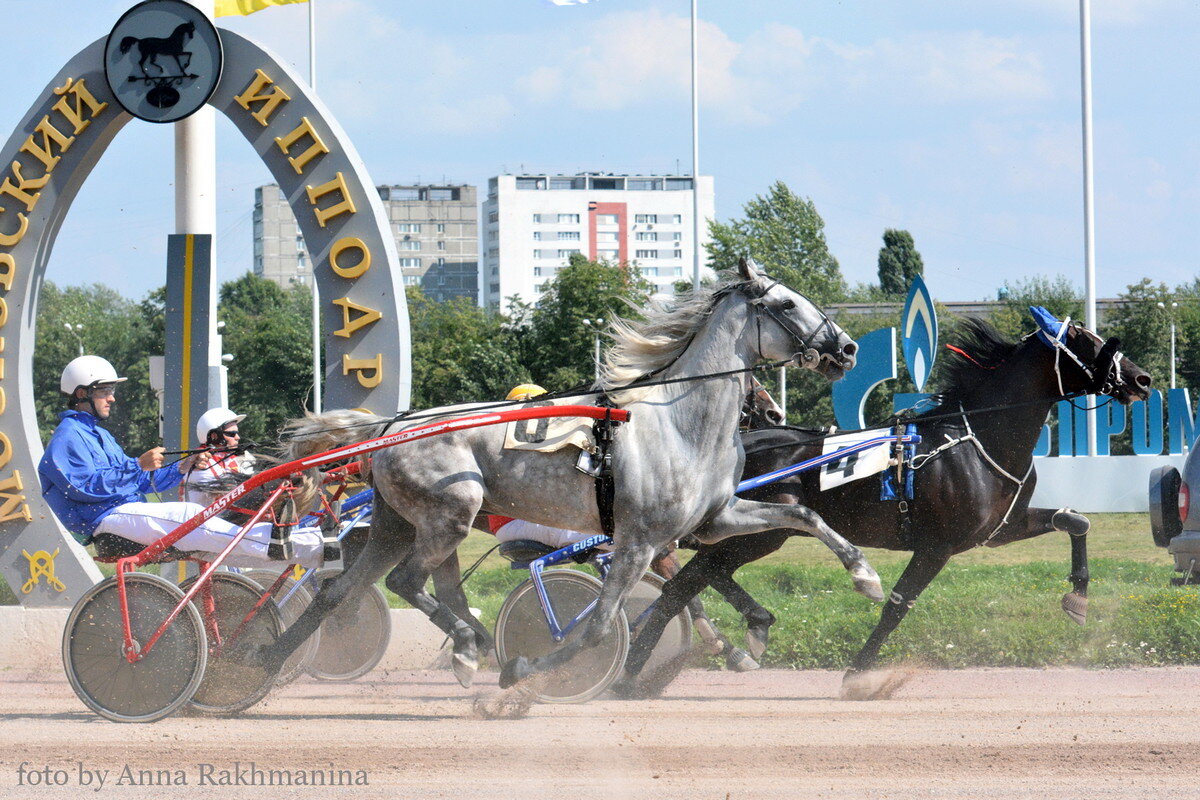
x=94, y=488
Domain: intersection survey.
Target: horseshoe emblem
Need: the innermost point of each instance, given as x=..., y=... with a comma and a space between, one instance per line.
x=41, y=564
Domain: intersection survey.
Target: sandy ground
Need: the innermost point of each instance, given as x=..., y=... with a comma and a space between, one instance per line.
x=964, y=734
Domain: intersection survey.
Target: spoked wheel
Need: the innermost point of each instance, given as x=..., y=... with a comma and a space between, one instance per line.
x=522, y=630
x=230, y=684
x=354, y=636
x=667, y=659
x=93, y=650
x=290, y=611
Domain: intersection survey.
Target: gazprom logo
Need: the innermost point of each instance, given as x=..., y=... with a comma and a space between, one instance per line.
x=920, y=332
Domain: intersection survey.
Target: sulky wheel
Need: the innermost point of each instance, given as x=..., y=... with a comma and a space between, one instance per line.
x=290, y=611
x=522, y=630
x=231, y=685
x=668, y=658
x=354, y=636
x=93, y=650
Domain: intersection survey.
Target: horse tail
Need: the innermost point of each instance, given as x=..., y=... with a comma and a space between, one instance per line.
x=319, y=433
x=127, y=43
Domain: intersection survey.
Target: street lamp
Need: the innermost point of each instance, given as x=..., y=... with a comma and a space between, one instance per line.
x=76, y=330
x=1171, y=317
x=596, y=326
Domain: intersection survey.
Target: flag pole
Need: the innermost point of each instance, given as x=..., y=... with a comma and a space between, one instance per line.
x=695, y=161
x=312, y=267
x=1089, y=215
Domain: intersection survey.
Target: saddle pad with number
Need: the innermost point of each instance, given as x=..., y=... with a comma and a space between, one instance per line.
x=549, y=434
x=854, y=466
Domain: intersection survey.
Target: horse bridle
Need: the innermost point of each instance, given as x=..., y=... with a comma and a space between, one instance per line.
x=1103, y=376
x=808, y=358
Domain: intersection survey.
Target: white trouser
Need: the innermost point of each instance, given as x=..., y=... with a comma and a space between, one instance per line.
x=551, y=537
x=146, y=523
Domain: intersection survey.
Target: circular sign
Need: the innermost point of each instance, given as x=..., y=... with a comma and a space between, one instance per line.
x=163, y=60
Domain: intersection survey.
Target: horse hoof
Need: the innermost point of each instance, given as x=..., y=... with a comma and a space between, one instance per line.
x=464, y=669
x=514, y=671
x=738, y=660
x=756, y=641
x=1076, y=606
x=866, y=581
x=625, y=687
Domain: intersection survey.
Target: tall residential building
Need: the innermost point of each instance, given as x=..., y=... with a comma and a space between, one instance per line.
x=533, y=223
x=436, y=230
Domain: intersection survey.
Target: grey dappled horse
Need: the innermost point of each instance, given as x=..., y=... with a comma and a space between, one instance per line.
x=676, y=463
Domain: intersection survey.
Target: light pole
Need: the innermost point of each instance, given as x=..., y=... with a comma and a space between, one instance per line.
x=76, y=330
x=1171, y=317
x=596, y=326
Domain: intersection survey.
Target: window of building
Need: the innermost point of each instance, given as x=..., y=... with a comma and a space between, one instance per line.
x=644, y=184
x=412, y=280
x=568, y=236
x=566, y=253
x=650, y=272
x=678, y=254
x=441, y=245
x=441, y=227
x=677, y=219
x=538, y=218
x=607, y=236
x=606, y=219
x=529, y=184
x=537, y=236
x=676, y=271
x=677, y=235
x=644, y=219
x=494, y=216
x=647, y=254
x=647, y=237
x=678, y=184
x=568, y=218
x=410, y=263
x=567, y=183
x=408, y=227
x=441, y=194
x=608, y=255
x=404, y=193
x=608, y=184
x=409, y=244
x=537, y=272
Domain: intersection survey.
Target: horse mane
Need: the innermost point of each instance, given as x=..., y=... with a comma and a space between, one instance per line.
x=985, y=348
x=645, y=346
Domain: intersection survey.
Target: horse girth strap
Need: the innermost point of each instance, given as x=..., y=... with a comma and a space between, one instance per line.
x=604, y=430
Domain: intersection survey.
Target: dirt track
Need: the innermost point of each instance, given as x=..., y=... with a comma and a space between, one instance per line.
x=977, y=734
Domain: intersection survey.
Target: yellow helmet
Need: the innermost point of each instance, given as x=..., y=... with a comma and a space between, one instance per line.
x=526, y=391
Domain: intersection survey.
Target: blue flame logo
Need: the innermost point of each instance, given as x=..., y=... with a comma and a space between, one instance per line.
x=920, y=332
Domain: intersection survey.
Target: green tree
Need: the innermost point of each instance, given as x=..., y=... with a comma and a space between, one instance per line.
x=786, y=236
x=268, y=332
x=1058, y=295
x=899, y=262
x=556, y=345
x=460, y=352
x=1145, y=329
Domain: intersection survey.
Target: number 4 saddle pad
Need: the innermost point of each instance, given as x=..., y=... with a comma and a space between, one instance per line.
x=550, y=434
x=854, y=466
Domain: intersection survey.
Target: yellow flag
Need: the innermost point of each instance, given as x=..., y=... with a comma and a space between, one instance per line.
x=240, y=8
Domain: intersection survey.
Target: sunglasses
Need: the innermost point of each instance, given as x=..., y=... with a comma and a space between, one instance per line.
x=232, y=434
x=104, y=391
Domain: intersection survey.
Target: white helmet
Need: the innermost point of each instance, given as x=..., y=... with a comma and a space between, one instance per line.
x=87, y=371
x=214, y=419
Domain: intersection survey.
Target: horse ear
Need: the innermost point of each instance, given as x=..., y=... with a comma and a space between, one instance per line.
x=746, y=269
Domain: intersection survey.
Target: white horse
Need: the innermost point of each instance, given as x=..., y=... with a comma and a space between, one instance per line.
x=676, y=463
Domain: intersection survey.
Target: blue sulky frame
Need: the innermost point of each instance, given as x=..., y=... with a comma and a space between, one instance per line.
x=909, y=439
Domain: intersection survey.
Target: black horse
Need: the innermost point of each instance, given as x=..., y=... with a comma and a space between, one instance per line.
x=150, y=48
x=973, y=480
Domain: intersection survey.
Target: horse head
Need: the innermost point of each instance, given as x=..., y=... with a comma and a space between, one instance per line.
x=791, y=326
x=1092, y=364
x=759, y=409
x=185, y=31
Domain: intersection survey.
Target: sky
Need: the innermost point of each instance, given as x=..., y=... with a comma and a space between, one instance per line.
x=959, y=122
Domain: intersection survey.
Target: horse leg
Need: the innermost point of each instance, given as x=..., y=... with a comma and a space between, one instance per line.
x=1044, y=520
x=408, y=579
x=384, y=547
x=447, y=587
x=758, y=619
x=922, y=568
x=628, y=565
x=667, y=566
x=748, y=516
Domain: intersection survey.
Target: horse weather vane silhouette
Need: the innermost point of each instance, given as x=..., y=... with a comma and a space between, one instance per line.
x=162, y=95
x=163, y=60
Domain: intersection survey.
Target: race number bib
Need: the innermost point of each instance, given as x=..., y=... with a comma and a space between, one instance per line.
x=854, y=466
x=548, y=434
